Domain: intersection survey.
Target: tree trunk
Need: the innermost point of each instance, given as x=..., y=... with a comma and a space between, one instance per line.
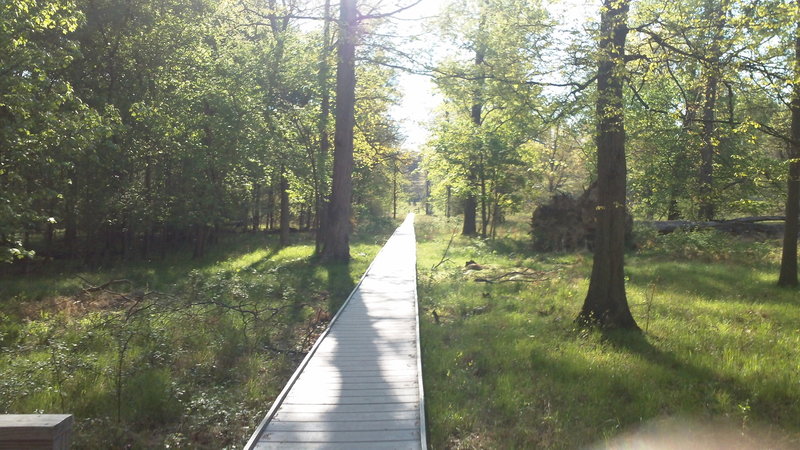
x=470, y=202
x=606, y=304
x=284, y=194
x=470, y=209
x=428, y=210
x=495, y=210
x=71, y=220
x=788, y=274
x=271, y=207
x=707, y=150
x=256, y=206
x=707, y=210
x=337, y=237
x=320, y=203
x=447, y=204
x=394, y=191
x=483, y=207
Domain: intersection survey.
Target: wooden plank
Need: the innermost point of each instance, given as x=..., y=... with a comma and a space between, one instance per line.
x=407, y=389
x=362, y=349
x=341, y=393
x=369, y=360
x=357, y=408
x=350, y=398
x=336, y=416
x=340, y=436
x=361, y=425
x=359, y=370
x=355, y=380
x=393, y=445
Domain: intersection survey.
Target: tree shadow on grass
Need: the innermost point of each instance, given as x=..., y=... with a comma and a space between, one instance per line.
x=720, y=281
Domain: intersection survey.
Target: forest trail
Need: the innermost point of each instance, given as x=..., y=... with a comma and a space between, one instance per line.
x=360, y=386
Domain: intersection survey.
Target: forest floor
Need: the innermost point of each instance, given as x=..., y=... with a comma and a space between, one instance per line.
x=187, y=353
x=505, y=366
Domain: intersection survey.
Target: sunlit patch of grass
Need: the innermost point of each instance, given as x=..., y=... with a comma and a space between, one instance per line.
x=505, y=366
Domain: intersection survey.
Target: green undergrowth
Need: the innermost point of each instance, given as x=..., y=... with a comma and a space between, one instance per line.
x=187, y=353
x=505, y=366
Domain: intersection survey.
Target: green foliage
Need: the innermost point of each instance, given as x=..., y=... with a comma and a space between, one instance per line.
x=490, y=109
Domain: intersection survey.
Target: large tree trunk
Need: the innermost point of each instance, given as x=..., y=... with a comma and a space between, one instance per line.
x=606, y=304
x=788, y=275
x=706, y=175
x=717, y=10
x=337, y=237
x=470, y=209
x=470, y=202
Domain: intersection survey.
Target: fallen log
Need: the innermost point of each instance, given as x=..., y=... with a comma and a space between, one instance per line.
x=741, y=225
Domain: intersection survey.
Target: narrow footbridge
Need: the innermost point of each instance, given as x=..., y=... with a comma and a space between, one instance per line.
x=360, y=386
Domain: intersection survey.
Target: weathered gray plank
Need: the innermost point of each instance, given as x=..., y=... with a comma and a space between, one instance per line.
x=349, y=399
x=340, y=436
x=362, y=425
x=360, y=408
x=364, y=392
x=393, y=445
x=336, y=416
x=355, y=380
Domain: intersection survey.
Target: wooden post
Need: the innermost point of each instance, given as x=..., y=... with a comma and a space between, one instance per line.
x=35, y=431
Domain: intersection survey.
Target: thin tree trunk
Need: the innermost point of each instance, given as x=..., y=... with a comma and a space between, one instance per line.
x=394, y=192
x=495, y=211
x=256, y=206
x=484, y=217
x=321, y=206
x=428, y=210
x=678, y=186
x=337, y=238
x=606, y=303
x=284, y=194
x=71, y=220
x=447, y=204
x=788, y=274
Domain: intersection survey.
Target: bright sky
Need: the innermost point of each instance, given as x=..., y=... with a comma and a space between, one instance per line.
x=419, y=97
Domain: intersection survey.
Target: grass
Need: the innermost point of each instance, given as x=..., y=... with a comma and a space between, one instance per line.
x=190, y=356
x=505, y=366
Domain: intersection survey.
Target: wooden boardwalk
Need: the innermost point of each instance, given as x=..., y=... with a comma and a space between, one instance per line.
x=360, y=386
